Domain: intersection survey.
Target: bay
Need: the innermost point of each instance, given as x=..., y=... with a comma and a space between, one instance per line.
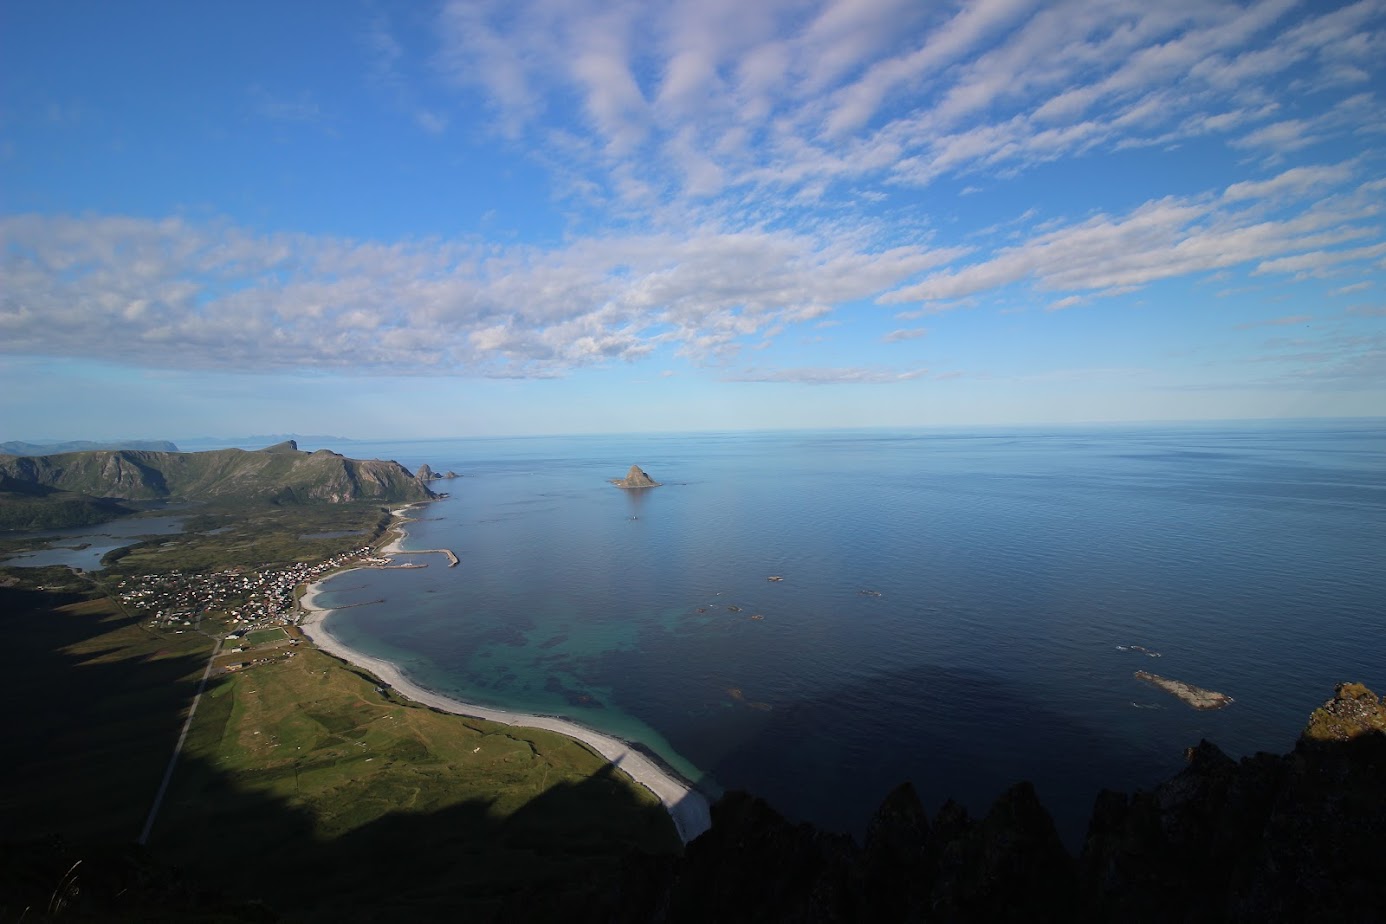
x=953, y=610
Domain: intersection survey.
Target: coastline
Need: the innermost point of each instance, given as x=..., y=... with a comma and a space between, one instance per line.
x=687, y=807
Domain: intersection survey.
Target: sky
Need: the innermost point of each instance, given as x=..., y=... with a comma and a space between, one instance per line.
x=399, y=220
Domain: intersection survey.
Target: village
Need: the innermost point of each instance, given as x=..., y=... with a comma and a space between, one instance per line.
x=248, y=600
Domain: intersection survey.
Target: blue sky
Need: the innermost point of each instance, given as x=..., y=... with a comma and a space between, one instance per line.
x=561, y=216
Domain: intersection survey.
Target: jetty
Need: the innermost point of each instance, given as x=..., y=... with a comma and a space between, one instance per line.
x=452, y=559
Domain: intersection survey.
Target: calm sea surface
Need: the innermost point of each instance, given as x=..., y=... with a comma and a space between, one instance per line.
x=953, y=607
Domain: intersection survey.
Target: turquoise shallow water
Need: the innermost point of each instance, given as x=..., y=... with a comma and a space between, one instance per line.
x=1006, y=568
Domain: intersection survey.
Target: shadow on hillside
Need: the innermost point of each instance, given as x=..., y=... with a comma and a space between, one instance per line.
x=558, y=857
x=88, y=734
x=97, y=736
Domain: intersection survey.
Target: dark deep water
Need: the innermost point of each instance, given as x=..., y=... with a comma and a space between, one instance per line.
x=1010, y=565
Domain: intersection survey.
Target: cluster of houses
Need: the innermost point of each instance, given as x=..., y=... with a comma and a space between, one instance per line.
x=248, y=598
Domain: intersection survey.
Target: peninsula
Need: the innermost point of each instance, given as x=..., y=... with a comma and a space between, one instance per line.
x=635, y=478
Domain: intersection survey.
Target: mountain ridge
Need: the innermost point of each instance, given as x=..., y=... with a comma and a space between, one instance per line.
x=23, y=448
x=280, y=474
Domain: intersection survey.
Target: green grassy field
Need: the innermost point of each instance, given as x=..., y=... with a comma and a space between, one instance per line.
x=301, y=783
x=223, y=536
x=304, y=762
x=265, y=636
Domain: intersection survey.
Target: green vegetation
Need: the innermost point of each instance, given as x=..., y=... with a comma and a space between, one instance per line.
x=306, y=763
x=1353, y=712
x=26, y=505
x=297, y=770
x=226, y=535
x=43, y=490
x=265, y=636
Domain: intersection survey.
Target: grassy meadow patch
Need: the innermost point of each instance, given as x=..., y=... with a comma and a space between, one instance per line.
x=308, y=762
x=252, y=536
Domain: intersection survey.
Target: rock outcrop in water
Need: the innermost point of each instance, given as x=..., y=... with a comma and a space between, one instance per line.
x=635, y=478
x=426, y=474
x=1196, y=697
x=1270, y=838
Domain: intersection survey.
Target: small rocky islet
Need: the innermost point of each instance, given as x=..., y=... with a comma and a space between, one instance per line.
x=1196, y=697
x=635, y=478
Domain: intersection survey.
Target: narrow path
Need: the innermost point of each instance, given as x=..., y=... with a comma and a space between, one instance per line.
x=178, y=748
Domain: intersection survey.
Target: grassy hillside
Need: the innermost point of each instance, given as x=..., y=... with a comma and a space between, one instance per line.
x=62, y=489
x=27, y=505
x=226, y=535
x=305, y=790
x=302, y=784
x=305, y=764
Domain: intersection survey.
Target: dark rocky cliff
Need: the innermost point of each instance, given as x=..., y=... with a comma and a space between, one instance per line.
x=1296, y=837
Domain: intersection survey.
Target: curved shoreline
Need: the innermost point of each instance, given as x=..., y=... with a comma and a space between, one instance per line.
x=686, y=806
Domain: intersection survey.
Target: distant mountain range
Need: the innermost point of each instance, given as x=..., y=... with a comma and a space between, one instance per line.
x=79, y=488
x=20, y=448
x=265, y=439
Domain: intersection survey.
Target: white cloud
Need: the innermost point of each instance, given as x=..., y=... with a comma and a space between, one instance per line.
x=1297, y=181
x=728, y=106
x=1163, y=239
x=1317, y=262
x=828, y=375
x=173, y=293
x=1289, y=321
x=1362, y=286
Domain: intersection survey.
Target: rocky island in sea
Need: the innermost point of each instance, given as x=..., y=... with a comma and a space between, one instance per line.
x=426, y=474
x=635, y=478
x=1196, y=697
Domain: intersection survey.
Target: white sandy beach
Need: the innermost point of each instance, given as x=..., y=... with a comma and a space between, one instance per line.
x=687, y=806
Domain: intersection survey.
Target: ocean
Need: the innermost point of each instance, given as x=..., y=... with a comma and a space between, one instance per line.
x=961, y=608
